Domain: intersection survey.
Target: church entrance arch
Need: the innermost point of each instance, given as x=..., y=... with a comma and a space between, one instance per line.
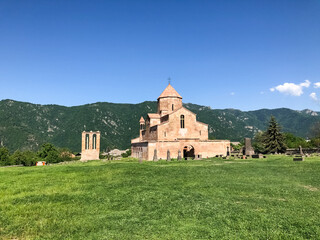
x=188, y=152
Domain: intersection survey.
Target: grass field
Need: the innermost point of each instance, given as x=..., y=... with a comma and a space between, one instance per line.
x=273, y=198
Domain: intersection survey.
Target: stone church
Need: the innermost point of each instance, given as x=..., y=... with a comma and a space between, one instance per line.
x=176, y=129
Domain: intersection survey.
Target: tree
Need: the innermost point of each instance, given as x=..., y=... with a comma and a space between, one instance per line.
x=4, y=156
x=293, y=141
x=49, y=153
x=30, y=158
x=315, y=134
x=273, y=138
x=315, y=130
x=258, y=142
x=18, y=158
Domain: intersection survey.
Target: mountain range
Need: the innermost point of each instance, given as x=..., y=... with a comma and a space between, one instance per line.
x=26, y=126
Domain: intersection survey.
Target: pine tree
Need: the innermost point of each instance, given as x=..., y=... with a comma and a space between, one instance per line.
x=273, y=138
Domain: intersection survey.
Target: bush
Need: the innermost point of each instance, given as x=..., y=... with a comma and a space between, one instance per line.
x=126, y=154
x=53, y=157
x=236, y=147
x=315, y=142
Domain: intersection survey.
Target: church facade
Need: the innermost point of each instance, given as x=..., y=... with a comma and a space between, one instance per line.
x=175, y=129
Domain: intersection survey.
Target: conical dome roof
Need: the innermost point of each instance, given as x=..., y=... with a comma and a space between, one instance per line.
x=142, y=120
x=169, y=92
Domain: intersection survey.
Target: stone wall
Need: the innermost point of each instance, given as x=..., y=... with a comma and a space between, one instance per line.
x=171, y=130
x=204, y=148
x=139, y=150
x=165, y=105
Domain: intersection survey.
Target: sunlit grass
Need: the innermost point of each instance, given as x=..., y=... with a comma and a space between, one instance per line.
x=213, y=198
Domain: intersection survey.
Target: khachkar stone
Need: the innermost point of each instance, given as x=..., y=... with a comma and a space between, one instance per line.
x=179, y=155
x=168, y=156
x=248, y=148
x=140, y=157
x=155, y=158
x=90, y=149
x=300, y=150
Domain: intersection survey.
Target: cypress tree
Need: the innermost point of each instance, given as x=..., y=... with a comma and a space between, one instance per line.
x=274, y=139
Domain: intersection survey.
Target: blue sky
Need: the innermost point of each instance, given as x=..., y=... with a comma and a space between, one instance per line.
x=223, y=54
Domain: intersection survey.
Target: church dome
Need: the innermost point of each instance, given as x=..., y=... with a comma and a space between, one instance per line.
x=169, y=92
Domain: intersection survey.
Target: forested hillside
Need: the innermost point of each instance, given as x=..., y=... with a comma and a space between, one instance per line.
x=26, y=126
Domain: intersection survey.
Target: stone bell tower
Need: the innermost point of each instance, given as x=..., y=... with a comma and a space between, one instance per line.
x=90, y=149
x=142, y=125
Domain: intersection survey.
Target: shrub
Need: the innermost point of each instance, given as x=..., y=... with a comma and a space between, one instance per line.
x=65, y=155
x=126, y=154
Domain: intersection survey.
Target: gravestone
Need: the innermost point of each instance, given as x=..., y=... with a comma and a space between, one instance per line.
x=298, y=158
x=168, y=156
x=179, y=155
x=248, y=149
x=257, y=155
x=155, y=158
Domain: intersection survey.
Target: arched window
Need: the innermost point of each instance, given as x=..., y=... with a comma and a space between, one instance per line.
x=172, y=107
x=87, y=141
x=94, y=141
x=182, y=121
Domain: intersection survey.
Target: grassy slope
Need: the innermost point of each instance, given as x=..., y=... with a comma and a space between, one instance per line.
x=242, y=199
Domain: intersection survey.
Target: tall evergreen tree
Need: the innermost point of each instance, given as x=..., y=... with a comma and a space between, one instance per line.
x=273, y=138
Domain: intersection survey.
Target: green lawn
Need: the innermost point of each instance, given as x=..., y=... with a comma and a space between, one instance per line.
x=273, y=198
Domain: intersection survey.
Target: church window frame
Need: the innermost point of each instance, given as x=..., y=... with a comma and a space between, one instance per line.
x=94, y=141
x=87, y=141
x=182, y=119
